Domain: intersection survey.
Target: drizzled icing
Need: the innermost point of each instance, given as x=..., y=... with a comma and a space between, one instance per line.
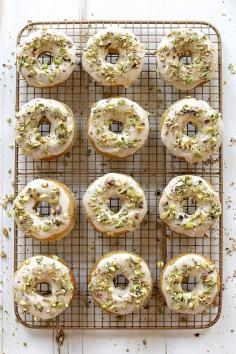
x=62, y=210
x=135, y=127
x=129, y=64
x=62, y=128
x=180, y=43
x=49, y=270
x=172, y=210
x=209, y=127
x=120, y=301
x=132, y=198
x=183, y=267
x=46, y=74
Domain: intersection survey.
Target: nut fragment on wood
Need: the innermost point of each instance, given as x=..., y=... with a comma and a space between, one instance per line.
x=5, y=232
x=60, y=337
x=3, y=254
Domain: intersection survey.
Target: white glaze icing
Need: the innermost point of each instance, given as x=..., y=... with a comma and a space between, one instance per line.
x=119, y=300
x=171, y=205
x=184, y=42
x=63, y=208
x=135, y=127
x=132, y=198
x=43, y=269
x=203, y=294
x=58, y=45
x=209, y=133
x=129, y=63
x=62, y=128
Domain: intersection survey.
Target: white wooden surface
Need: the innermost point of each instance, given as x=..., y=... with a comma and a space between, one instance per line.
x=221, y=338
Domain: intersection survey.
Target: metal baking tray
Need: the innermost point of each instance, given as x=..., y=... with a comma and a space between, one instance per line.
x=151, y=166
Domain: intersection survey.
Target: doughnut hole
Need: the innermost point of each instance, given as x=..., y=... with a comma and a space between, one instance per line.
x=43, y=289
x=186, y=59
x=42, y=208
x=112, y=55
x=191, y=129
x=114, y=204
x=45, y=58
x=189, y=205
x=189, y=283
x=44, y=126
x=120, y=281
x=116, y=127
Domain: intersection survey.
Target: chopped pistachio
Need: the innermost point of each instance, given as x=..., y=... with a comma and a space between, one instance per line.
x=3, y=254
x=55, y=257
x=160, y=264
x=5, y=232
x=189, y=225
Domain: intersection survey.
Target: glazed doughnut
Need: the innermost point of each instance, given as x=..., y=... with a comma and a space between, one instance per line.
x=172, y=210
x=133, y=204
x=49, y=270
x=135, y=127
x=62, y=129
x=39, y=74
x=62, y=203
x=113, y=40
x=183, y=43
x=209, y=133
x=119, y=300
x=182, y=267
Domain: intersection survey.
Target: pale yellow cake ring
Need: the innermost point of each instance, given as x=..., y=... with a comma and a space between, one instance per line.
x=135, y=128
x=132, y=199
x=181, y=268
x=180, y=43
x=61, y=219
x=130, y=57
x=120, y=300
x=172, y=210
x=61, y=136
x=48, y=270
x=46, y=74
x=209, y=130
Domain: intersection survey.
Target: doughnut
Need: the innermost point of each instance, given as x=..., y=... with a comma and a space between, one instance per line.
x=62, y=204
x=183, y=43
x=132, y=198
x=135, y=127
x=120, y=300
x=209, y=127
x=129, y=63
x=62, y=133
x=47, y=74
x=172, y=201
x=49, y=270
x=180, y=268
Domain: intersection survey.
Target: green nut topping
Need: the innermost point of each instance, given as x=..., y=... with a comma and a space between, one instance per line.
x=120, y=112
x=29, y=136
x=188, y=186
x=117, y=42
x=208, y=130
x=129, y=195
x=101, y=284
x=200, y=296
x=47, y=270
x=37, y=45
x=27, y=220
x=187, y=43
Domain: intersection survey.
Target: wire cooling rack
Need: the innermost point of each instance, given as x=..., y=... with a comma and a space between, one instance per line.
x=151, y=166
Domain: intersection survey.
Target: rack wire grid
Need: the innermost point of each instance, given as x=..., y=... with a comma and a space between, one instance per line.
x=152, y=166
